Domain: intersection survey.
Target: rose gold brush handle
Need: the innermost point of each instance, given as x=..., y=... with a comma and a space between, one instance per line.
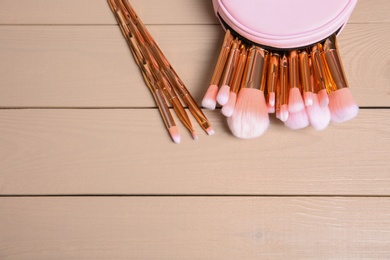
x=318, y=68
x=231, y=63
x=239, y=70
x=293, y=69
x=284, y=88
x=304, y=71
x=273, y=73
x=222, y=58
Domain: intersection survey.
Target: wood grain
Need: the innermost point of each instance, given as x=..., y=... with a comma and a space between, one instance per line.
x=194, y=228
x=95, y=12
x=83, y=66
x=120, y=151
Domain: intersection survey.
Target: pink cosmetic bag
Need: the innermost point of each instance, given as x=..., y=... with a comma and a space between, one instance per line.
x=284, y=24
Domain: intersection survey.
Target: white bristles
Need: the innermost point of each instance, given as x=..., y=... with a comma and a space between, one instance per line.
x=295, y=101
x=297, y=120
x=283, y=113
x=271, y=99
x=308, y=98
x=342, y=105
x=319, y=116
x=174, y=132
x=223, y=95
x=323, y=98
x=228, y=109
x=210, y=98
x=250, y=116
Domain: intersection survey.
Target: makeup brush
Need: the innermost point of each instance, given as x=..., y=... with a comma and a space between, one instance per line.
x=210, y=98
x=283, y=95
x=304, y=72
x=228, y=108
x=273, y=74
x=250, y=116
x=319, y=116
x=224, y=90
x=342, y=105
x=297, y=120
x=319, y=75
x=295, y=101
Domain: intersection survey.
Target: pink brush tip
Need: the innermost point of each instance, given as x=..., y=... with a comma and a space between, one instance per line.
x=228, y=109
x=210, y=98
x=319, y=117
x=308, y=97
x=194, y=136
x=174, y=132
x=283, y=113
x=210, y=131
x=342, y=105
x=297, y=120
x=223, y=95
x=250, y=117
x=295, y=101
x=271, y=99
x=323, y=98
x=270, y=109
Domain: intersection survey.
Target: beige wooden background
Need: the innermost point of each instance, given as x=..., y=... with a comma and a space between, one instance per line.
x=87, y=170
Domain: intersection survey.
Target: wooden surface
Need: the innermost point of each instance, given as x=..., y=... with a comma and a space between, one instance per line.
x=87, y=170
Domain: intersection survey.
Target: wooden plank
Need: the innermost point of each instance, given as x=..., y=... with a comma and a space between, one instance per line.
x=98, y=12
x=175, y=12
x=194, y=228
x=121, y=151
x=82, y=66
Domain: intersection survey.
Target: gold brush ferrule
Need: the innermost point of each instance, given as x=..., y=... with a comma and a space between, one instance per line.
x=239, y=70
x=223, y=55
x=188, y=99
x=304, y=71
x=334, y=63
x=293, y=69
x=284, y=88
x=255, y=65
x=231, y=63
x=158, y=96
x=318, y=68
x=273, y=72
x=174, y=101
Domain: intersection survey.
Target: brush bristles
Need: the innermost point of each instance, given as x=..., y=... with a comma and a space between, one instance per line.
x=283, y=116
x=174, y=132
x=210, y=98
x=250, y=116
x=342, y=105
x=308, y=98
x=223, y=95
x=323, y=98
x=228, y=109
x=295, y=101
x=297, y=120
x=319, y=116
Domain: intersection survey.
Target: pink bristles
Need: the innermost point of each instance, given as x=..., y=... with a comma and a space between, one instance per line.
x=323, y=98
x=271, y=99
x=270, y=109
x=308, y=98
x=319, y=117
x=250, y=116
x=223, y=95
x=228, y=109
x=283, y=113
x=295, y=101
x=174, y=132
x=210, y=98
x=297, y=120
x=342, y=105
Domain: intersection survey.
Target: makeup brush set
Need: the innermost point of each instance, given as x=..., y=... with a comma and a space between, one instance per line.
x=281, y=57
x=163, y=82
x=276, y=57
